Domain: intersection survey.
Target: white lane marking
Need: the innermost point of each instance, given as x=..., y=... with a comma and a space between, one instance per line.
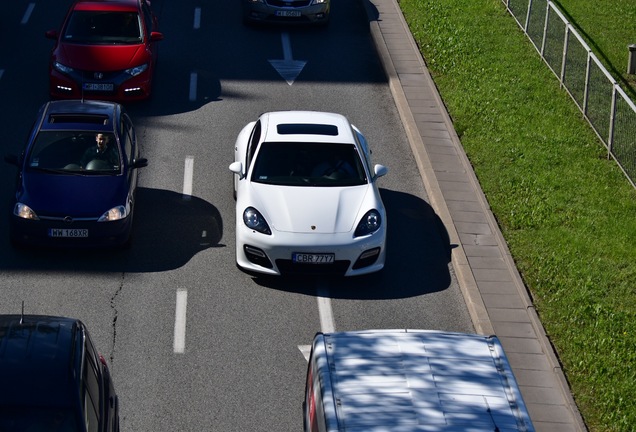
x=188, y=173
x=193, y=86
x=180, y=321
x=327, y=323
x=27, y=13
x=197, y=18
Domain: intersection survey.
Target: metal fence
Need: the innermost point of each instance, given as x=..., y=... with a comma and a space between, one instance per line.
x=603, y=103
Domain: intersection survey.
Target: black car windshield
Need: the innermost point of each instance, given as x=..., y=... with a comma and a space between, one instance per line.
x=73, y=151
x=308, y=164
x=103, y=27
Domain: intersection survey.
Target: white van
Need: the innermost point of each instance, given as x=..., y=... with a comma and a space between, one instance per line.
x=411, y=380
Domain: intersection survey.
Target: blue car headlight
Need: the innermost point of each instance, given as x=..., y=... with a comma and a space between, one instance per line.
x=369, y=223
x=114, y=214
x=254, y=220
x=24, y=211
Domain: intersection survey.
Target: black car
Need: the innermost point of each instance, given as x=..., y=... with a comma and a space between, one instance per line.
x=77, y=177
x=52, y=378
x=315, y=12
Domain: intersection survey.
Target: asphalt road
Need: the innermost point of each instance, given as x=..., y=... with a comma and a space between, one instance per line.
x=194, y=343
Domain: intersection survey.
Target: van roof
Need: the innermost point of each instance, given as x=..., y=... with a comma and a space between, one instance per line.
x=421, y=380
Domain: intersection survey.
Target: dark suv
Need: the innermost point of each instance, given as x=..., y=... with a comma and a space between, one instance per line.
x=52, y=378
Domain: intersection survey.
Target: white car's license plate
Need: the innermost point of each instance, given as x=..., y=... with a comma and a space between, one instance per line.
x=306, y=258
x=98, y=86
x=66, y=232
x=287, y=13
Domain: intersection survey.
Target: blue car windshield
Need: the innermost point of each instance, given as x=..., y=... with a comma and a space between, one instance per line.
x=73, y=151
x=308, y=164
x=103, y=27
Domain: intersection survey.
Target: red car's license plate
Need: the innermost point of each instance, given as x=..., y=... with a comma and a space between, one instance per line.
x=98, y=86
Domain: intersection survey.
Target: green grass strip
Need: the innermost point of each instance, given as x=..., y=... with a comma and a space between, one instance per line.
x=566, y=211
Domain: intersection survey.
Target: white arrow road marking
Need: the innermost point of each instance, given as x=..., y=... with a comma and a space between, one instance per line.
x=288, y=68
x=306, y=350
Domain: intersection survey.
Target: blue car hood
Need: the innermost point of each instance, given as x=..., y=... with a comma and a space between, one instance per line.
x=72, y=195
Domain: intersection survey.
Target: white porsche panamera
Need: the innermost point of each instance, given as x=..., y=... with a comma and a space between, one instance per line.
x=306, y=197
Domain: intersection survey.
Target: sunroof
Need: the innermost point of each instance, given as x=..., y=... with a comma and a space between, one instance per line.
x=79, y=118
x=306, y=129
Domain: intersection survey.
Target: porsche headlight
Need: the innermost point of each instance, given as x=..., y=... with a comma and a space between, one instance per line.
x=370, y=223
x=254, y=220
x=116, y=213
x=319, y=2
x=137, y=69
x=24, y=211
x=62, y=68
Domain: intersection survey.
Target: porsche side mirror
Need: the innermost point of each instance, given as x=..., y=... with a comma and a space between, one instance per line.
x=380, y=170
x=237, y=168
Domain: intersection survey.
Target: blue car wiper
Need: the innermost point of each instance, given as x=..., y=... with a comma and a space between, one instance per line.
x=59, y=171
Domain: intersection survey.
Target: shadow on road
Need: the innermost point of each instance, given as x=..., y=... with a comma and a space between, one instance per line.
x=418, y=255
x=168, y=231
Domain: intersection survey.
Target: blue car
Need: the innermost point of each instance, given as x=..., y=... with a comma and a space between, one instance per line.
x=76, y=177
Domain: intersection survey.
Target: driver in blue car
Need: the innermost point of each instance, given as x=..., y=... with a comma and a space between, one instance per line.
x=107, y=154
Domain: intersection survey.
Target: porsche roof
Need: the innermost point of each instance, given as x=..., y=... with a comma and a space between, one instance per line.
x=312, y=126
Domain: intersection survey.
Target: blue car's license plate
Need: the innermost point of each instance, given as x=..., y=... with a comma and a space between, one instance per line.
x=68, y=232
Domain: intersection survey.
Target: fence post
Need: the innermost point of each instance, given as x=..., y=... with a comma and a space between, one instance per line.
x=566, y=40
x=545, y=28
x=631, y=64
x=610, y=137
x=525, y=27
x=586, y=92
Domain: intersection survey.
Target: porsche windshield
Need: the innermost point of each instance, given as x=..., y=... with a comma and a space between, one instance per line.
x=308, y=164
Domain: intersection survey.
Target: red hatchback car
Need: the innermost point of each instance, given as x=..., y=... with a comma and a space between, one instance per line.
x=106, y=50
